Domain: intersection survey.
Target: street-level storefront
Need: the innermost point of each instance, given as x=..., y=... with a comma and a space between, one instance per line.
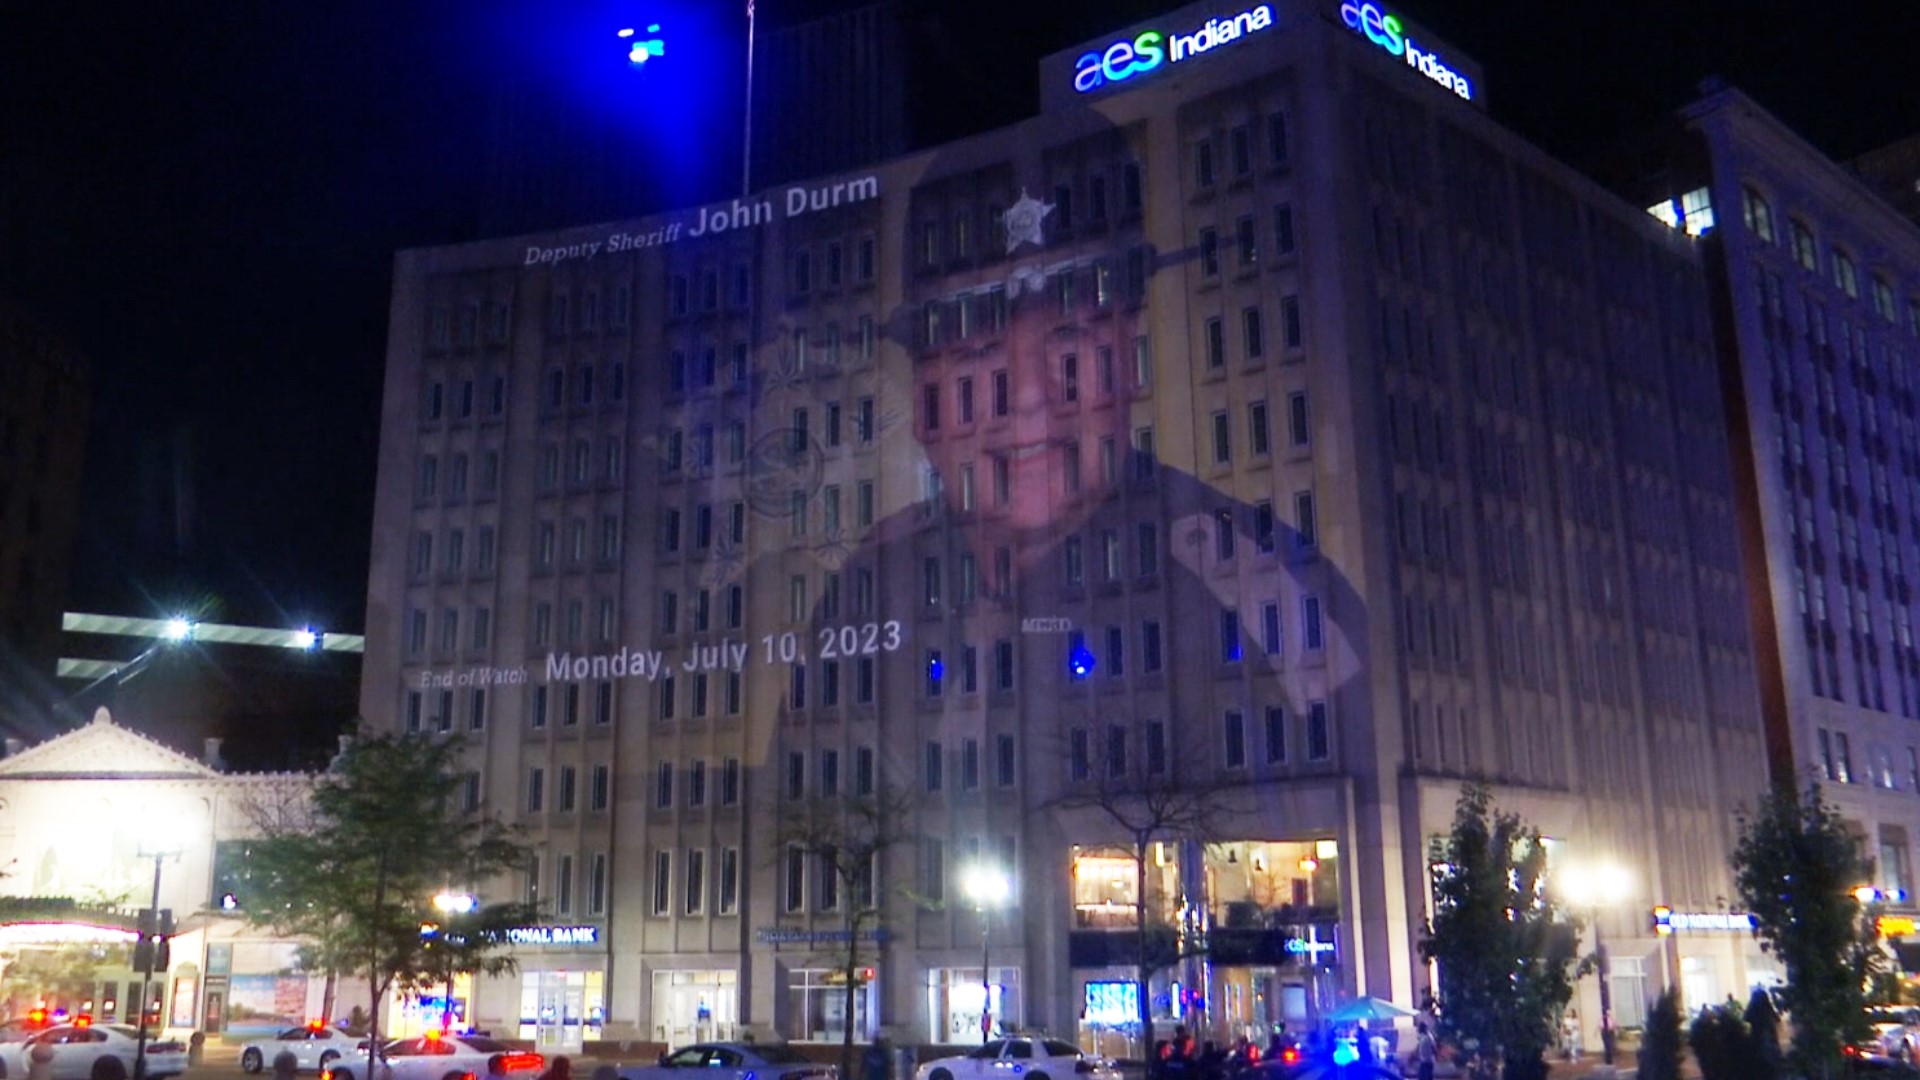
x=1243, y=936
x=958, y=998
x=562, y=1008
x=691, y=1006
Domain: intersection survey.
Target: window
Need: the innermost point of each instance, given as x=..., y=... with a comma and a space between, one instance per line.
x=1234, y=735
x=1079, y=767
x=970, y=764
x=936, y=766
x=1003, y=773
x=1276, y=735
x=1203, y=166
x=1222, y=438
x=730, y=782
x=1258, y=434
x=1291, y=334
x=1312, y=636
x=600, y=791
x=1298, y=433
x=1283, y=238
x=1757, y=214
x=1305, y=524
x=1253, y=333
x=1277, y=147
x=662, y=882
x=1845, y=277
x=1803, y=247
x=1246, y=241
x=536, y=790
x=597, y=879
x=1116, y=751
x=1002, y=394
x=696, y=895
x=1070, y=378
x=1209, y=252
x=1216, y=344
x=1230, y=636
x=1270, y=637
x=1319, y=739
x=569, y=789
x=796, y=786
x=1151, y=657
x=663, y=786
x=727, y=889
x=563, y=885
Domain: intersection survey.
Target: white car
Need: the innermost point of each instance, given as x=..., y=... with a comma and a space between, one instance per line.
x=314, y=1046
x=1024, y=1058
x=434, y=1056
x=83, y=1051
x=731, y=1061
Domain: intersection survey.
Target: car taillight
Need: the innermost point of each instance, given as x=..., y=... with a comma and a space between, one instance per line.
x=521, y=1063
x=1290, y=1055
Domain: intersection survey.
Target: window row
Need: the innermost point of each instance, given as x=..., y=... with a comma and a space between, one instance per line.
x=1246, y=239
x=566, y=795
x=1798, y=237
x=463, y=399
x=561, y=900
x=1120, y=753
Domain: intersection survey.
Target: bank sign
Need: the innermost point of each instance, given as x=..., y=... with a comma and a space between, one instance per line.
x=1149, y=49
x=1386, y=30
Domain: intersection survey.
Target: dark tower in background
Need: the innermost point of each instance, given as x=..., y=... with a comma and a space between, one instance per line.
x=44, y=400
x=827, y=89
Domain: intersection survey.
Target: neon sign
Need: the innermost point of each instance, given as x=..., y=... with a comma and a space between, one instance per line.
x=1122, y=60
x=1386, y=31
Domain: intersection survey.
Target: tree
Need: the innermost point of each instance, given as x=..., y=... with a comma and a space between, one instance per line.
x=1661, y=1048
x=1796, y=867
x=845, y=836
x=1505, y=948
x=1148, y=806
x=1725, y=1046
x=353, y=869
x=66, y=972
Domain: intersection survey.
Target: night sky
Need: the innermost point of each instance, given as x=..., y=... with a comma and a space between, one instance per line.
x=206, y=199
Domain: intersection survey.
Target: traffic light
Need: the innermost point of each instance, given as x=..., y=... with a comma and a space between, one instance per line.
x=153, y=951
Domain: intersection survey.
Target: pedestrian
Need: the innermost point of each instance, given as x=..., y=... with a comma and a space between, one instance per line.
x=1426, y=1054
x=1575, y=1043
x=879, y=1060
x=561, y=1069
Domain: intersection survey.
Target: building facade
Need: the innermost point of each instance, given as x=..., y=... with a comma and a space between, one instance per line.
x=94, y=824
x=1261, y=419
x=1816, y=285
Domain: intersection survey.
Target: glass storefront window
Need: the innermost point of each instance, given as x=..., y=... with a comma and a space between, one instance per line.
x=695, y=1006
x=1255, y=883
x=817, y=1006
x=954, y=999
x=560, y=1010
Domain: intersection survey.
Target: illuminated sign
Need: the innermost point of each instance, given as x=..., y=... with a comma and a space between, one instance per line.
x=1668, y=921
x=1386, y=31
x=1122, y=60
x=1895, y=925
x=1113, y=1003
x=554, y=935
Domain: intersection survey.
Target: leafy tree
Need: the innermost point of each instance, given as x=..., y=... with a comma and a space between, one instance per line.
x=1661, y=1049
x=352, y=870
x=845, y=836
x=1505, y=948
x=1725, y=1046
x=1171, y=804
x=1796, y=866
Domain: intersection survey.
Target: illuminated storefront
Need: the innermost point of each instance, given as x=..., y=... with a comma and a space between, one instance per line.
x=696, y=1006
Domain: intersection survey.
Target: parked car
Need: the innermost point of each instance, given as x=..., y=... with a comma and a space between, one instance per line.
x=1029, y=1058
x=732, y=1061
x=435, y=1056
x=87, y=1051
x=1896, y=1033
x=314, y=1046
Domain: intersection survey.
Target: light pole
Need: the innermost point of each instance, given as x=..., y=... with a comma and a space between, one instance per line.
x=449, y=904
x=1594, y=886
x=153, y=931
x=988, y=888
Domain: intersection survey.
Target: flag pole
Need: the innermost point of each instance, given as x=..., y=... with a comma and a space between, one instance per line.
x=746, y=138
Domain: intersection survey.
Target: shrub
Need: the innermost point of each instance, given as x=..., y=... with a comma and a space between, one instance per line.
x=1660, y=1049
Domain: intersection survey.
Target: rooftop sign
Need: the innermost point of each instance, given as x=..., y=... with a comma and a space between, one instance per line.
x=1149, y=49
x=1387, y=31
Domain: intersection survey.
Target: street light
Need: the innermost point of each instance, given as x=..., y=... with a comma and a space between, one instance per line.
x=988, y=888
x=153, y=932
x=1594, y=886
x=449, y=904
